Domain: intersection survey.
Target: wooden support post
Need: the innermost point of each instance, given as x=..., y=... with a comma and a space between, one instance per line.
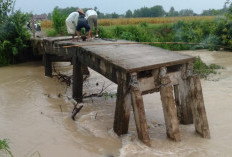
x=47, y=65
x=169, y=107
x=183, y=99
x=198, y=108
x=123, y=106
x=139, y=111
x=170, y=112
x=77, y=80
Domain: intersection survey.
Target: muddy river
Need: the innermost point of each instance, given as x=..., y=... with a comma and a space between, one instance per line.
x=35, y=116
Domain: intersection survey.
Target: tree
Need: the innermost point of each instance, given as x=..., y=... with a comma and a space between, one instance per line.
x=129, y=14
x=172, y=12
x=115, y=15
x=229, y=11
x=5, y=8
x=58, y=20
x=13, y=33
x=157, y=11
x=186, y=12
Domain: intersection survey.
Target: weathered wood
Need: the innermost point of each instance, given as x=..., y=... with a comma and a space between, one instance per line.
x=77, y=80
x=47, y=65
x=170, y=112
x=138, y=57
x=139, y=114
x=198, y=108
x=183, y=107
x=123, y=105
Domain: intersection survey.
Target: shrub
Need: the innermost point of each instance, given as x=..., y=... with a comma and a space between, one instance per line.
x=204, y=70
x=58, y=22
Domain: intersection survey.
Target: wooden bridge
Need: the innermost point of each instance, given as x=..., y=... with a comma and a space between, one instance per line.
x=138, y=69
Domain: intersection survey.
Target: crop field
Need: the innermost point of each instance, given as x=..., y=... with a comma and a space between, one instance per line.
x=128, y=21
x=154, y=20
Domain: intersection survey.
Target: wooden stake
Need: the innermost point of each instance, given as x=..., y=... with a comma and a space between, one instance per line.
x=47, y=65
x=123, y=106
x=198, y=107
x=170, y=112
x=139, y=115
x=77, y=80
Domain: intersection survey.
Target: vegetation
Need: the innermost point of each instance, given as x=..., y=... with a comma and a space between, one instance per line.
x=4, y=147
x=14, y=35
x=211, y=35
x=58, y=21
x=152, y=20
x=204, y=70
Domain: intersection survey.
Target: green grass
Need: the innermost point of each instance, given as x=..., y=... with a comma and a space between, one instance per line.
x=4, y=147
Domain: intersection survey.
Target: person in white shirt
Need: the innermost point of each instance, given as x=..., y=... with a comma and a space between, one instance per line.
x=71, y=23
x=91, y=16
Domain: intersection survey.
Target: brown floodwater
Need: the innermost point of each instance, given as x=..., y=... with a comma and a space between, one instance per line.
x=35, y=116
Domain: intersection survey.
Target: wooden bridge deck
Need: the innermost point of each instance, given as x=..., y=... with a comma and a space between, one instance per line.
x=137, y=69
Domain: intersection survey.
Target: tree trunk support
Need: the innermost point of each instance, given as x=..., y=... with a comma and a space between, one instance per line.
x=198, y=108
x=182, y=96
x=123, y=106
x=139, y=111
x=77, y=80
x=169, y=107
x=47, y=65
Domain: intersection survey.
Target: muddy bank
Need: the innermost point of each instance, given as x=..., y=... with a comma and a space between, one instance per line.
x=35, y=115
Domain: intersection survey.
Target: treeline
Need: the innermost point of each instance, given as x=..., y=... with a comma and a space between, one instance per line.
x=155, y=11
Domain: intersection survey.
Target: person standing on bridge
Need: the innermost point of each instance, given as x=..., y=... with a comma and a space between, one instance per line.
x=91, y=16
x=71, y=22
x=82, y=23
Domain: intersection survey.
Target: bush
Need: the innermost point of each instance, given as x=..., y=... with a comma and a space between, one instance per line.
x=204, y=70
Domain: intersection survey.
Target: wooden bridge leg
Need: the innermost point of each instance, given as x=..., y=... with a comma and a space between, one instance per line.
x=122, y=109
x=139, y=113
x=170, y=112
x=77, y=80
x=47, y=65
x=198, y=108
x=183, y=102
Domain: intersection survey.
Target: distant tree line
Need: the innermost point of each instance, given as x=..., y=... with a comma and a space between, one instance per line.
x=155, y=11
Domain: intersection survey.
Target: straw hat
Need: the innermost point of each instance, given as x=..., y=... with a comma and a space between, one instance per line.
x=81, y=11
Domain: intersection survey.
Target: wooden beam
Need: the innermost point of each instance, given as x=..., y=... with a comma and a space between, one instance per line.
x=198, y=107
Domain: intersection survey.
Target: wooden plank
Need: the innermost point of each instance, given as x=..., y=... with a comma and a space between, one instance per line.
x=198, y=107
x=139, y=115
x=138, y=57
x=123, y=106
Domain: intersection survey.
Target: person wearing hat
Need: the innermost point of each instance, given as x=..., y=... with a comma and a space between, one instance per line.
x=91, y=16
x=82, y=23
x=71, y=22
